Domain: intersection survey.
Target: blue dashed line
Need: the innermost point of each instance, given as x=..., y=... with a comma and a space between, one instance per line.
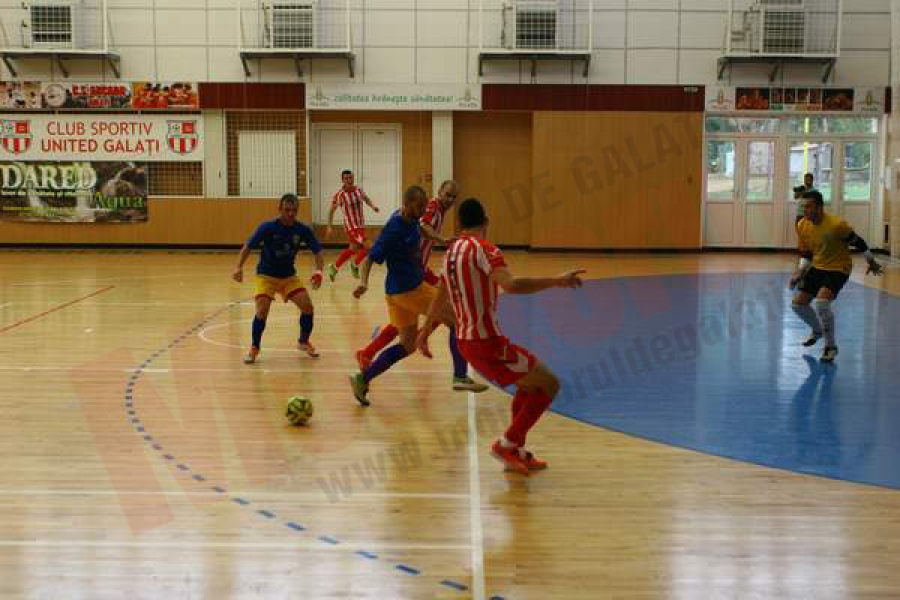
x=454, y=585
x=408, y=569
x=242, y=501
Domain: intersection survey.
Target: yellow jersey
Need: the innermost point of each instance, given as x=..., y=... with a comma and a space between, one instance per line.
x=825, y=242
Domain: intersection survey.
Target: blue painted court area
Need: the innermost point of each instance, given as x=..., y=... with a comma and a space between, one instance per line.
x=714, y=363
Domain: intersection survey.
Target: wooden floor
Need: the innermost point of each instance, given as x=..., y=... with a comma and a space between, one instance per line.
x=143, y=460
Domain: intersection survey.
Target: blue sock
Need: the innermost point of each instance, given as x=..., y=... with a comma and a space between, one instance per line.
x=391, y=355
x=460, y=366
x=259, y=325
x=306, y=325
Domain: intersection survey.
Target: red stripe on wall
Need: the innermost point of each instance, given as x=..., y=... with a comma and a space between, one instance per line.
x=642, y=98
x=253, y=95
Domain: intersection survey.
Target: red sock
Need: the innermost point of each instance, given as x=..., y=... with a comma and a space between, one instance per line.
x=380, y=341
x=360, y=256
x=517, y=404
x=344, y=257
x=533, y=406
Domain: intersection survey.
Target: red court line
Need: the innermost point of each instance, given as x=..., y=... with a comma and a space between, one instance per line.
x=55, y=308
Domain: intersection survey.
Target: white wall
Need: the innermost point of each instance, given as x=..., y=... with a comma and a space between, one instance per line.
x=635, y=42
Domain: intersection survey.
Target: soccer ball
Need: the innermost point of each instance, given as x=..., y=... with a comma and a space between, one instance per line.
x=299, y=410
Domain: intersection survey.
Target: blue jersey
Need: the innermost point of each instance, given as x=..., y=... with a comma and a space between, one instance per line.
x=398, y=245
x=280, y=244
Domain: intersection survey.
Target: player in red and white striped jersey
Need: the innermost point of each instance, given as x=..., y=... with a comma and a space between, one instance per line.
x=350, y=200
x=430, y=225
x=474, y=270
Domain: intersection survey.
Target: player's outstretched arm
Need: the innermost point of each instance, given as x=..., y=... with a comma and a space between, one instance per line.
x=371, y=204
x=857, y=242
x=429, y=232
x=238, y=274
x=329, y=230
x=432, y=318
x=531, y=285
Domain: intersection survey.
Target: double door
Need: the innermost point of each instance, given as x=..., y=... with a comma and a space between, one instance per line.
x=372, y=151
x=749, y=181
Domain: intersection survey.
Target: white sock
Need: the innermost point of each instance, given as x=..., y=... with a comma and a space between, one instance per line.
x=826, y=316
x=506, y=443
x=809, y=317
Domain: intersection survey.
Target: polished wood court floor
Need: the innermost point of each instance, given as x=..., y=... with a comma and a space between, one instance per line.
x=142, y=459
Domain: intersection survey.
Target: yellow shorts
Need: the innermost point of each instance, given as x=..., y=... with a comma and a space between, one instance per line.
x=286, y=286
x=404, y=309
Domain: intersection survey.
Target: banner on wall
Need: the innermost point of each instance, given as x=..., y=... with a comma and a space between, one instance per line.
x=73, y=192
x=393, y=97
x=101, y=137
x=795, y=99
x=24, y=95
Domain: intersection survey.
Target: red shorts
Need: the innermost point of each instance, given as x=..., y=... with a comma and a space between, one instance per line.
x=498, y=359
x=356, y=236
x=431, y=278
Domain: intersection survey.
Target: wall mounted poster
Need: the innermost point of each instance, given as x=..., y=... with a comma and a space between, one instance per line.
x=73, y=192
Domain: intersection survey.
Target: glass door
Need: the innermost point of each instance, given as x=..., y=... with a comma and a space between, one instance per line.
x=741, y=192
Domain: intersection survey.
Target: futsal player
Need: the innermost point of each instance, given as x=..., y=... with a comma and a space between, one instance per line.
x=350, y=198
x=825, y=264
x=280, y=240
x=408, y=295
x=474, y=269
x=430, y=226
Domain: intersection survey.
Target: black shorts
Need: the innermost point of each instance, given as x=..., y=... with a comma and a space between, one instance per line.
x=816, y=279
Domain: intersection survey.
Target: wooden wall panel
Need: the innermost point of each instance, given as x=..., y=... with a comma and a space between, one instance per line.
x=175, y=221
x=492, y=160
x=250, y=95
x=416, y=135
x=617, y=180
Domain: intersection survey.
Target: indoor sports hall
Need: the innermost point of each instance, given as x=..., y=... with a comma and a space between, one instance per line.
x=656, y=242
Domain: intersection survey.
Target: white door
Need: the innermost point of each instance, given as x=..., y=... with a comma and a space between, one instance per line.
x=372, y=152
x=267, y=163
x=742, y=206
x=856, y=200
x=379, y=170
x=334, y=149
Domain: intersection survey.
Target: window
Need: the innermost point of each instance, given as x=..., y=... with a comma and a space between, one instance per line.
x=857, y=171
x=822, y=124
x=760, y=171
x=740, y=125
x=720, y=156
x=816, y=157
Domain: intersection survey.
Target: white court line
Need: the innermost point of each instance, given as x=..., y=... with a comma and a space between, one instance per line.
x=202, y=333
x=344, y=546
x=477, y=534
x=351, y=367
x=263, y=495
x=187, y=276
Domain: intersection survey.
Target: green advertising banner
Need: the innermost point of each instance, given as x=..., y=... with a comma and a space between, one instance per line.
x=73, y=192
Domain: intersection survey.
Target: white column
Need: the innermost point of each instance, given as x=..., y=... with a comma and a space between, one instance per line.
x=442, y=147
x=215, y=165
x=892, y=196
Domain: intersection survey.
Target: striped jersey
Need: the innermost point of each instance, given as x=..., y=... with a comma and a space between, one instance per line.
x=351, y=204
x=468, y=265
x=434, y=218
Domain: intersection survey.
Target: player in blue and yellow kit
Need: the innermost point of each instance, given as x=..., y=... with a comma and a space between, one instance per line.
x=275, y=274
x=408, y=295
x=825, y=266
